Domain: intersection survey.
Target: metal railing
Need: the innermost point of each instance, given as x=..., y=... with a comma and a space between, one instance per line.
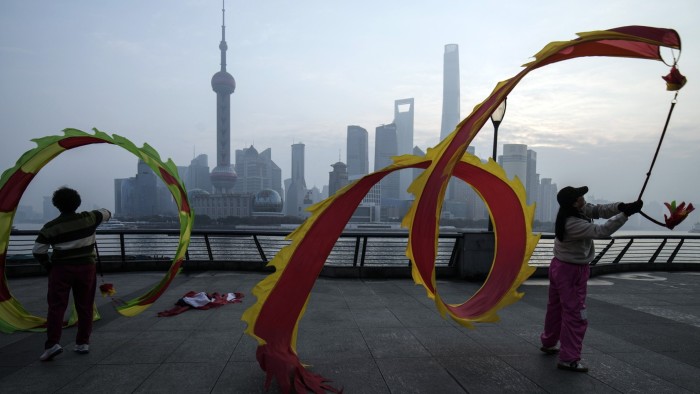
x=252, y=249
x=353, y=249
x=633, y=251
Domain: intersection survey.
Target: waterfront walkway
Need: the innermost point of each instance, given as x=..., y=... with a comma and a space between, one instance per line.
x=371, y=336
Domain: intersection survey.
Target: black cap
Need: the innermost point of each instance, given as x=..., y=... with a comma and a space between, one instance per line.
x=569, y=195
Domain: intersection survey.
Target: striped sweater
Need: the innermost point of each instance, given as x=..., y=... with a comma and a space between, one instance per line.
x=72, y=237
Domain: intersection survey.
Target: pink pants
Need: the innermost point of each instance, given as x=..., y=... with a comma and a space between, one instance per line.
x=82, y=280
x=566, y=320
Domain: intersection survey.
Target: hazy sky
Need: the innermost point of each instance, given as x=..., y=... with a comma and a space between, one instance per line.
x=305, y=70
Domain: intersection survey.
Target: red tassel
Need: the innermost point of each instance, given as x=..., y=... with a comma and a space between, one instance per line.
x=107, y=289
x=674, y=80
x=678, y=213
x=284, y=366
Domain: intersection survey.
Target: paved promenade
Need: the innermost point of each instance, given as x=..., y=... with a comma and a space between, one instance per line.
x=371, y=336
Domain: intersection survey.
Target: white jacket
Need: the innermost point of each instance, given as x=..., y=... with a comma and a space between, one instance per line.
x=578, y=247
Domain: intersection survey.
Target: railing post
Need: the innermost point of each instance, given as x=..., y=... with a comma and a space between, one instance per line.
x=209, y=252
x=364, y=249
x=122, y=248
x=623, y=251
x=658, y=251
x=456, y=249
x=260, y=249
x=675, y=251
x=602, y=252
x=357, y=250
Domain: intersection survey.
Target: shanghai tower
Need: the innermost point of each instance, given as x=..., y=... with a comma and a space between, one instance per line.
x=223, y=177
x=450, y=90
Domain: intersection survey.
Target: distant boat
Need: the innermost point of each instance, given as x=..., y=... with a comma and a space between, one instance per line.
x=696, y=228
x=112, y=224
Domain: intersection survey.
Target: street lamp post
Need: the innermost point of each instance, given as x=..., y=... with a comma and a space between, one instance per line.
x=496, y=118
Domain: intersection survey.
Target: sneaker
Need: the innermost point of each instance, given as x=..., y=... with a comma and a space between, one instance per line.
x=572, y=366
x=51, y=352
x=82, y=349
x=549, y=350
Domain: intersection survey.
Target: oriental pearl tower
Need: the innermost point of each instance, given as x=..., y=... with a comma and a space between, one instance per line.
x=223, y=177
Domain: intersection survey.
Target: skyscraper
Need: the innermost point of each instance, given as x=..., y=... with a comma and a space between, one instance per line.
x=385, y=146
x=198, y=174
x=532, y=182
x=403, y=119
x=514, y=161
x=223, y=177
x=547, y=205
x=296, y=192
x=143, y=195
x=357, y=150
x=338, y=178
x=450, y=90
x=256, y=171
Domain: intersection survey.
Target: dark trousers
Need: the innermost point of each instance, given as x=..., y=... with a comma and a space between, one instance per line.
x=62, y=279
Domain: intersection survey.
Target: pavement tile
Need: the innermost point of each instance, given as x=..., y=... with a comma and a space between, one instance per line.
x=43, y=377
x=182, y=378
x=148, y=347
x=243, y=377
x=417, y=375
x=114, y=379
x=542, y=371
x=487, y=374
x=206, y=346
x=328, y=342
x=359, y=375
x=664, y=366
x=448, y=341
x=391, y=342
x=627, y=378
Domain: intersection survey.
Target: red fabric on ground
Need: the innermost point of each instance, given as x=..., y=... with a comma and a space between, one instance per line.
x=215, y=300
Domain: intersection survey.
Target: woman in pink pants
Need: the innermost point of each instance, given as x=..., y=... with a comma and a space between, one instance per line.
x=575, y=231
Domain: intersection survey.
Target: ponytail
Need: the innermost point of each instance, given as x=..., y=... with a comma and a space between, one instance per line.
x=562, y=215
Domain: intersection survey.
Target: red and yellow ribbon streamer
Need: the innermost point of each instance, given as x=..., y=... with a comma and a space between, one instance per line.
x=282, y=296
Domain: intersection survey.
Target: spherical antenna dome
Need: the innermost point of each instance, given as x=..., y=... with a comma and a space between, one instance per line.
x=223, y=82
x=267, y=200
x=223, y=177
x=197, y=192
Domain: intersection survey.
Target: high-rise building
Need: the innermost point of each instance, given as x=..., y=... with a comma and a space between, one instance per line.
x=385, y=147
x=514, y=161
x=456, y=189
x=338, y=178
x=256, y=171
x=357, y=151
x=417, y=152
x=403, y=119
x=197, y=174
x=547, y=205
x=532, y=180
x=296, y=192
x=143, y=195
x=450, y=90
x=223, y=177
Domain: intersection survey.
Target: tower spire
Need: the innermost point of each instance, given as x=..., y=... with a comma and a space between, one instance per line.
x=222, y=46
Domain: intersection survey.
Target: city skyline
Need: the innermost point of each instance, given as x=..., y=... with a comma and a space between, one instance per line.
x=150, y=82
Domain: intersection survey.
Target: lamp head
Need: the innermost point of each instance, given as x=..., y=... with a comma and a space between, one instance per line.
x=499, y=113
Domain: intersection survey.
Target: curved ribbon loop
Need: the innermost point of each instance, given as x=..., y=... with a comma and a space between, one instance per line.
x=14, y=181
